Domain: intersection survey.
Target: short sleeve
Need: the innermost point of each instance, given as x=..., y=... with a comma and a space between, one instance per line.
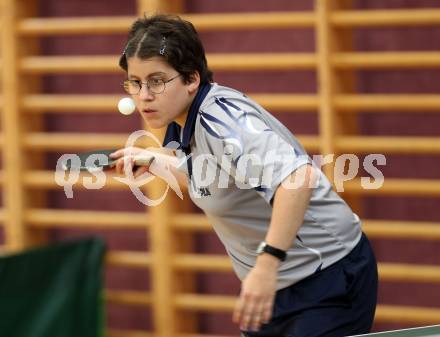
x=254, y=153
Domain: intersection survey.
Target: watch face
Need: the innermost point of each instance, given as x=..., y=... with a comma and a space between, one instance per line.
x=260, y=248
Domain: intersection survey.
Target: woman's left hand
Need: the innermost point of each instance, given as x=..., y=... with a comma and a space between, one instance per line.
x=254, y=306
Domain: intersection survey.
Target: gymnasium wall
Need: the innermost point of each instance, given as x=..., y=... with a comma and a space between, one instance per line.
x=129, y=306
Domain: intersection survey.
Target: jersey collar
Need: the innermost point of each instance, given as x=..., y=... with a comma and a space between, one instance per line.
x=173, y=129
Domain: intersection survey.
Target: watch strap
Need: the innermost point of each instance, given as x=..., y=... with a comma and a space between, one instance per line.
x=278, y=253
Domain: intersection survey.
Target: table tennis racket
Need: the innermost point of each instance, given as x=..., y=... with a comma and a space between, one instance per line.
x=98, y=160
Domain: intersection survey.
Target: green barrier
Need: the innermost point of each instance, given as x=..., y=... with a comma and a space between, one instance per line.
x=53, y=291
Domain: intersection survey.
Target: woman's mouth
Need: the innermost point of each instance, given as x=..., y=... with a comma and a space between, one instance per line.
x=148, y=111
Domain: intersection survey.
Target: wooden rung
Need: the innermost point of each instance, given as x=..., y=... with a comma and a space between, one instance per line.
x=204, y=302
x=46, y=179
x=198, y=222
x=377, y=144
x=407, y=314
x=311, y=143
x=287, y=102
x=388, y=271
x=50, y=218
x=385, y=18
x=187, y=221
x=394, y=186
x=267, y=20
x=57, y=218
x=390, y=60
x=72, y=103
x=128, y=333
x=74, y=141
x=409, y=273
x=261, y=61
x=413, y=230
x=135, y=298
x=243, y=62
x=232, y=21
x=70, y=64
x=107, y=103
x=391, y=186
x=199, y=262
x=77, y=142
x=419, y=103
x=129, y=259
x=75, y=25
x=227, y=62
x=203, y=22
x=89, y=141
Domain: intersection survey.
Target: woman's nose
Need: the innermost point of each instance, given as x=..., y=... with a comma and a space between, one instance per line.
x=145, y=94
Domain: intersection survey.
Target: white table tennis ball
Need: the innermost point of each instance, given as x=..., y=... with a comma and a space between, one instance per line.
x=126, y=106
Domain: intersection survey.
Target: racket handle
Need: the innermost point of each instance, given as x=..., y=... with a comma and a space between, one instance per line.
x=143, y=160
x=146, y=159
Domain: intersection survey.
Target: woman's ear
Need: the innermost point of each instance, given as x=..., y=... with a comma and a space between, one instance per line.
x=194, y=82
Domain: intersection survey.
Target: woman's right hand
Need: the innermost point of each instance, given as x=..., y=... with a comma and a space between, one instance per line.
x=165, y=164
x=126, y=161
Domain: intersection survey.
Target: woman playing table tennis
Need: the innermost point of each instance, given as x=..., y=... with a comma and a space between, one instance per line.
x=306, y=267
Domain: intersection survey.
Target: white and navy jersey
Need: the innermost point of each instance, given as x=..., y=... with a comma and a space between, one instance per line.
x=239, y=155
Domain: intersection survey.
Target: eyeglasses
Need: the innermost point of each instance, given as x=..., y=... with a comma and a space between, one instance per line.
x=155, y=85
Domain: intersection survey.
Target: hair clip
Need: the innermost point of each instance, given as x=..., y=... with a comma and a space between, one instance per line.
x=125, y=49
x=163, y=46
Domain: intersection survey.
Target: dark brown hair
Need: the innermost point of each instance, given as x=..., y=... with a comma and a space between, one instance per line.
x=172, y=38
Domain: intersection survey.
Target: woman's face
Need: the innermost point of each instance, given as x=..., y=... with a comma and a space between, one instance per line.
x=158, y=110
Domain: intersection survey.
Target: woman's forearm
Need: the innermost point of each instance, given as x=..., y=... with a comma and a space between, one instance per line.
x=289, y=207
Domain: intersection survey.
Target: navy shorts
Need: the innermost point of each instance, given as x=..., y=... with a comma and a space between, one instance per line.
x=337, y=301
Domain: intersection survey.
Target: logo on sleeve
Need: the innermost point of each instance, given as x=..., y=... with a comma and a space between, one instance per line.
x=199, y=192
x=204, y=192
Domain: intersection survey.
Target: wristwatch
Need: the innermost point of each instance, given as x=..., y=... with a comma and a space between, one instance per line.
x=263, y=247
